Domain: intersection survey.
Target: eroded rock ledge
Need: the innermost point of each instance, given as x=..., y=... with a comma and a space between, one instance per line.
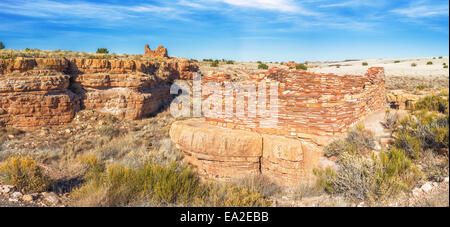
x=222, y=153
x=49, y=91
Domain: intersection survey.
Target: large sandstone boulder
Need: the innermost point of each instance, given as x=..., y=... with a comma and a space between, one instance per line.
x=222, y=153
x=216, y=152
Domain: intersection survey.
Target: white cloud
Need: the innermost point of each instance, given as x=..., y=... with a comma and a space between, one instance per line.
x=423, y=11
x=54, y=9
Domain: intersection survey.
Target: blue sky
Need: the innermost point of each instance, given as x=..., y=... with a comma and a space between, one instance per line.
x=243, y=30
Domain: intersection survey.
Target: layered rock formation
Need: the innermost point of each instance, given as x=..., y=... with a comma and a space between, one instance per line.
x=311, y=110
x=47, y=91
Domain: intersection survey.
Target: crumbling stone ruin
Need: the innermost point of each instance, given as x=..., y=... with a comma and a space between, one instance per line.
x=159, y=52
x=312, y=109
x=49, y=91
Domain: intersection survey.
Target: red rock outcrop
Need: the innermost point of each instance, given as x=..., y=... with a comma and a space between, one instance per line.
x=48, y=91
x=159, y=52
x=224, y=154
x=36, y=98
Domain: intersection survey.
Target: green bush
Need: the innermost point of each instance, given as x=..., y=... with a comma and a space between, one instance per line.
x=365, y=64
x=421, y=87
x=102, y=51
x=117, y=185
x=370, y=179
x=215, y=64
x=397, y=61
x=262, y=66
x=411, y=144
x=413, y=64
x=432, y=103
x=336, y=148
x=445, y=66
x=429, y=63
x=2, y=46
x=230, y=62
x=358, y=141
x=25, y=174
x=301, y=66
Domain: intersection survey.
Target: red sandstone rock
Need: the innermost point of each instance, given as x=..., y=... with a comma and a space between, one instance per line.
x=35, y=92
x=221, y=153
x=159, y=52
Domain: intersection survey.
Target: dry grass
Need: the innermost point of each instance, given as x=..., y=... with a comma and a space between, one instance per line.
x=25, y=174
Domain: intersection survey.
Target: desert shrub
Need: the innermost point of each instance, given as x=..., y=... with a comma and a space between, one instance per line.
x=230, y=62
x=25, y=174
x=301, y=66
x=118, y=185
x=445, y=67
x=7, y=56
x=390, y=120
x=102, y=51
x=432, y=103
x=440, y=57
x=131, y=150
x=262, y=66
x=421, y=87
x=370, y=179
x=215, y=63
x=413, y=64
x=435, y=167
x=336, y=148
x=2, y=46
x=397, y=61
x=365, y=64
x=358, y=141
x=429, y=63
x=108, y=131
x=258, y=183
x=229, y=195
x=409, y=143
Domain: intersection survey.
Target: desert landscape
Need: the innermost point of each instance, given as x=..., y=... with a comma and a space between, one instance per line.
x=229, y=104
x=80, y=129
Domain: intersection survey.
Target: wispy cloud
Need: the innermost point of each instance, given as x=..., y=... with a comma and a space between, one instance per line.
x=423, y=11
x=423, y=8
x=79, y=9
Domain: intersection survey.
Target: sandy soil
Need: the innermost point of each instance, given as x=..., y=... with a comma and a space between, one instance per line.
x=403, y=68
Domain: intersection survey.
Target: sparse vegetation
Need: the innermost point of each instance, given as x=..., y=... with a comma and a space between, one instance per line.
x=2, y=46
x=365, y=64
x=262, y=66
x=358, y=141
x=413, y=64
x=429, y=63
x=397, y=61
x=102, y=51
x=370, y=178
x=301, y=66
x=230, y=62
x=215, y=63
x=25, y=174
x=117, y=185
